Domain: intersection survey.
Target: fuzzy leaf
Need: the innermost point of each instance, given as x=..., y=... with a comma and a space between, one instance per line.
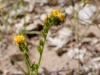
x=39, y=49
x=36, y=66
x=44, y=34
x=33, y=67
x=46, y=24
x=26, y=56
x=41, y=42
x=45, y=30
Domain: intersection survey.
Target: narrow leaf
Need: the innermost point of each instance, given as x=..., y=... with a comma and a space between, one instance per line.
x=41, y=42
x=39, y=49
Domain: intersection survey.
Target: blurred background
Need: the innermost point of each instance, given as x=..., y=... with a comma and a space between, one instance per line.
x=78, y=38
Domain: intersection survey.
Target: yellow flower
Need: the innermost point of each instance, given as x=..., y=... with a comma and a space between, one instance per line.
x=58, y=14
x=61, y=16
x=19, y=39
x=54, y=12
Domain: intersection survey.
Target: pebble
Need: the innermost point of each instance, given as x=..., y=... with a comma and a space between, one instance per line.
x=69, y=10
x=76, y=53
x=31, y=26
x=86, y=13
x=62, y=38
x=42, y=16
x=93, y=42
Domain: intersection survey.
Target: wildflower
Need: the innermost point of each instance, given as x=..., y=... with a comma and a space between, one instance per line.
x=19, y=39
x=58, y=14
x=61, y=16
x=55, y=13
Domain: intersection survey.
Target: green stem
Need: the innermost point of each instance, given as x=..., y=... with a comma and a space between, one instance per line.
x=40, y=57
x=28, y=65
x=39, y=61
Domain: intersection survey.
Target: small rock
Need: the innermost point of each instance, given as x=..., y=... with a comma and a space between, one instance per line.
x=31, y=6
x=96, y=59
x=76, y=53
x=26, y=19
x=62, y=38
x=86, y=13
x=86, y=40
x=42, y=16
x=19, y=11
x=94, y=41
x=5, y=28
x=19, y=26
x=95, y=65
x=71, y=54
x=6, y=72
x=31, y=26
x=85, y=68
x=69, y=10
x=10, y=21
x=34, y=25
x=36, y=17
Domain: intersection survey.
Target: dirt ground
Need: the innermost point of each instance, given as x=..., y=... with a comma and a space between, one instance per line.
x=55, y=60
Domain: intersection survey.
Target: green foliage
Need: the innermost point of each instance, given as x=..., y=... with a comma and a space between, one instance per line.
x=23, y=47
x=56, y=21
x=50, y=20
x=41, y=43
x=39, y=48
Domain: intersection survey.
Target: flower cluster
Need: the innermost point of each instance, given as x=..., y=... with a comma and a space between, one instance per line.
x=55, y=13
x=55, y=18
x=19, y=39
x=58, y=14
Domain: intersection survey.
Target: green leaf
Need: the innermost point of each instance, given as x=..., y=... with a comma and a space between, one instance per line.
x=45, y=30
x=36, y=66
x=46, y=24
x=44, y=34
x=56, y=21
x=39, y=49
x=41, y=42
x=23, y=47
x=32, y=67
x=26, y=56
